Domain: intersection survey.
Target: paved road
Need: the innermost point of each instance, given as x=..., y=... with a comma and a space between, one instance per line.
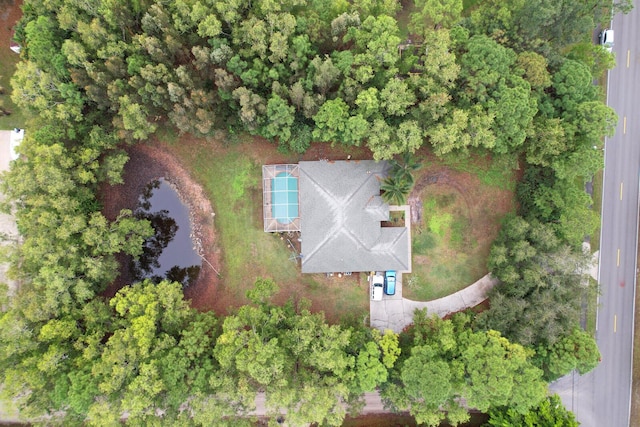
x=603, y=397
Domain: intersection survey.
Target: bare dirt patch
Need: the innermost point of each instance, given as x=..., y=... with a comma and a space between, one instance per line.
x=10, y=115
x=10, y=13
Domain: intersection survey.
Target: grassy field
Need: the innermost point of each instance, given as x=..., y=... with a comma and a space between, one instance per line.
x=17, y=118
x=231, y=176
x=450, y=261
x=468, y=5
x=461, y=208
x=496, y=172
x=8, y=60
x=404, y=17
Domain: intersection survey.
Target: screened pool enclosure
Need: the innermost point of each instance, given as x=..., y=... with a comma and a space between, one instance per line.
x=280, y=185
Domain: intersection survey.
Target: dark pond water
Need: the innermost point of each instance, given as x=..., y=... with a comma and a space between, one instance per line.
x=169, y=253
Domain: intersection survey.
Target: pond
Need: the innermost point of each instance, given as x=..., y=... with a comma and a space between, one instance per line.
x=170, y=252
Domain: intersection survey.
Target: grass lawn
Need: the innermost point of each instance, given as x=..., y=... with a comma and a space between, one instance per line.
x=461, y=205
x=496, y=172
x=404, y=18
x=460, y=218
x=17, y=118
x=468, y=6
x=8, y=61
x=232, y=176
x=446, y=255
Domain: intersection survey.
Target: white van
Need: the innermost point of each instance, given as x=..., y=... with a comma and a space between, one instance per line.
x=606, y=39
x=377, y=286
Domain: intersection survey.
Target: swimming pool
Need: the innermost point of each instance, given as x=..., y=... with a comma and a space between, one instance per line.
x=284, y=198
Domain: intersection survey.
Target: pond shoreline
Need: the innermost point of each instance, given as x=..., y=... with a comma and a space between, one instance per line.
x=148, y=162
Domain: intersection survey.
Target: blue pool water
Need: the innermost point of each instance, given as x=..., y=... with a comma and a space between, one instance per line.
x=284, y=198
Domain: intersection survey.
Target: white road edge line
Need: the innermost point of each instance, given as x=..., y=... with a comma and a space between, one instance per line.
x=633, y=307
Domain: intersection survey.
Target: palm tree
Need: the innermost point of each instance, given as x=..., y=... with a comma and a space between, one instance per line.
x=403, y=171
x=395, y=190
x=399, y=183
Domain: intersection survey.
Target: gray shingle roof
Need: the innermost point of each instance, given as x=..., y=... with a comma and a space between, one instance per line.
x=340, y=214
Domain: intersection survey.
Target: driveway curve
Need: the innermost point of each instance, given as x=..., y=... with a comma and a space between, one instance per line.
x=396, y=313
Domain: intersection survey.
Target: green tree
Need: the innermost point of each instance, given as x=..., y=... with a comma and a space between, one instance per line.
x=445, y=361
x=498, y=373
x=404, y=168
x=302, y=364
x=491, y=86
x=43, y=41
x=435, y=13
x=397, y=97
x=541, y=278
x=133, y=120
x=57, y=211
x=546, y=141
x=157, y=355
x=529, y=25
x=356, y=131
x=366, y=8
x=252, y=107
x=535, y=70
x=577, y=350
x=572, y=85
x=595, y=56
x=43, y=93
x=280, y=117
x=550, y=412
x=376, y=40
x=331, y=121
x=368, y=102
x=325, y=74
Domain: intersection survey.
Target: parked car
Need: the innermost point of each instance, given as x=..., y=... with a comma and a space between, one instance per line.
x=377, y=285
x=390, y=282
x=606, y=39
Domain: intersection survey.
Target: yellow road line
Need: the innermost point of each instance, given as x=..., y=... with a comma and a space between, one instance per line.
x=615, y=322
x=621, y=184
x=628, y=56
x=624, y=124
x=618, y=262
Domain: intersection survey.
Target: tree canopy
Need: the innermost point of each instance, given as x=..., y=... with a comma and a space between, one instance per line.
x=509, y=78
x=446, y=362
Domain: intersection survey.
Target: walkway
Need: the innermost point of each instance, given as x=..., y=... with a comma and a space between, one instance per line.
x=396, y=313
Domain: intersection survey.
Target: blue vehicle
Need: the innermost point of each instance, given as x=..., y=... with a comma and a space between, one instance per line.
x=390, y=282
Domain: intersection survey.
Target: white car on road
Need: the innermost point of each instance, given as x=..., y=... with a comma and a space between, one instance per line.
x=606, y=39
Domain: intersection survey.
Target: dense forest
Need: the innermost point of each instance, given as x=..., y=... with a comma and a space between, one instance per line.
x=506, y=79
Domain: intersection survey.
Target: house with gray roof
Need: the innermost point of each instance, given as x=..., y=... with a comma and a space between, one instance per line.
x=340, y=212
